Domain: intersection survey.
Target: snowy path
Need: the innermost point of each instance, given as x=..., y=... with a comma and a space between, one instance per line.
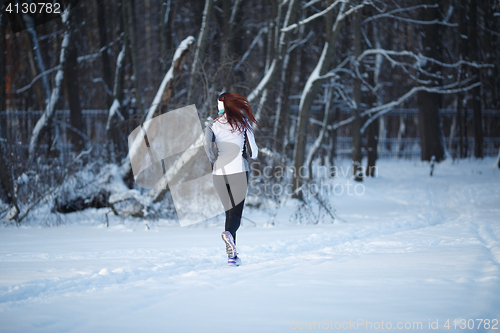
x=415, y=249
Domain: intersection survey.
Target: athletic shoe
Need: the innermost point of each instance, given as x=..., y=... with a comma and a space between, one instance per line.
x=236, y=261
x=230, y=247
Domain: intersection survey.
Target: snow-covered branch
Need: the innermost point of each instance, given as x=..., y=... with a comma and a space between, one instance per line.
x=383, y=109
x=419, y=59
x=202, y=36
x=400, y=10
x=30, y=25
x=314, y=16
x=263, y=83
x=338, y=69
x=106, y=88
x=114, y=110
x=247, y=53
x=303, y=41
x=53, y=69
x=386, y=108
x=181, y=50
x=310, y=3
x=48, y=71
x=234, y=11
x=271, y=71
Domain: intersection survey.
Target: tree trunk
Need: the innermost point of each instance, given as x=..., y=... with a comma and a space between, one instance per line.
x=356, y=124
x=103, y=43
x=276, y=63
x=178, y=62
x=309, y=93
x=164, y=29
x=372, y=143
x=7, y=183
x=5, y=174
x=147, y=21
x=36, y=61
x=372, y=132
x=476, y=93
x=133, y=50
x=498, y=159
x=429, y=124
x=3, y=75
x=319, y=139
x=111, y=132
x=229, y=17
x=202, y=36
x=73, y=89
x=49, y=112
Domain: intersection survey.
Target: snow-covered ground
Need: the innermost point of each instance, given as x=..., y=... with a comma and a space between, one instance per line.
x=413, y=249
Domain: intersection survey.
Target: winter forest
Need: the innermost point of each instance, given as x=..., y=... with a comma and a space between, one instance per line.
x=326, y=79
x=397, y=98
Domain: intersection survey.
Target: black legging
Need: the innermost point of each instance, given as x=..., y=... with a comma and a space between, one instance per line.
x=232, y=191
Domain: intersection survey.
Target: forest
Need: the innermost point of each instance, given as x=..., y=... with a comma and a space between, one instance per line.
x=327, y=80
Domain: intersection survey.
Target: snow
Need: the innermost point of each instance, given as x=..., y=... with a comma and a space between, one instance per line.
x=414, y=248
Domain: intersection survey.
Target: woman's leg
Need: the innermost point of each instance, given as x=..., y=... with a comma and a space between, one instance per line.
x=233, y=219
x=232, y=190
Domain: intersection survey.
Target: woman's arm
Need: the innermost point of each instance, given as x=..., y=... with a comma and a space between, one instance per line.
x=209, y=139
x=253, y=146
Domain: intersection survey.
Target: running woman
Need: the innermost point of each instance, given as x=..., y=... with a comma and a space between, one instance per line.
x=225, y=144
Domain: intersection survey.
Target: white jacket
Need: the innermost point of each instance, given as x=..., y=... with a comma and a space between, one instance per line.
x=230, y=145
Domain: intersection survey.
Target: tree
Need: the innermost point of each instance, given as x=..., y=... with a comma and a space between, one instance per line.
x=6, y=182
x=103, y=42
x=475, y=49
x=202, y=36
x=314, y=80
x=72, y=86
x=43, y=123
x=356, y=111
x=431, y=135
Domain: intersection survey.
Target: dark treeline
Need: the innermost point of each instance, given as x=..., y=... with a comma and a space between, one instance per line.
x=312, y=70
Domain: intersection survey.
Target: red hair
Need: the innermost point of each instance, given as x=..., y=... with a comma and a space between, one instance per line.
x=238, y=112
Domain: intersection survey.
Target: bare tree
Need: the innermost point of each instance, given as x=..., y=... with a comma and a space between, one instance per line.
x=315, y=78
x=280, y=41
x=166, y=12
x=72, y=85
x=114, y=110
x=47, y=115
x=431, y=135
x=356, y=111
x=130, y=24
x=202, y=36
x=178, y=63
x=103, y=43
x=475, y=50
x=35, y=57
x=3, y=71
x=6, y=182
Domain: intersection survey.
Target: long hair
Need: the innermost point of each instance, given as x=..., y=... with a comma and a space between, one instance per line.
x=238, y=112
